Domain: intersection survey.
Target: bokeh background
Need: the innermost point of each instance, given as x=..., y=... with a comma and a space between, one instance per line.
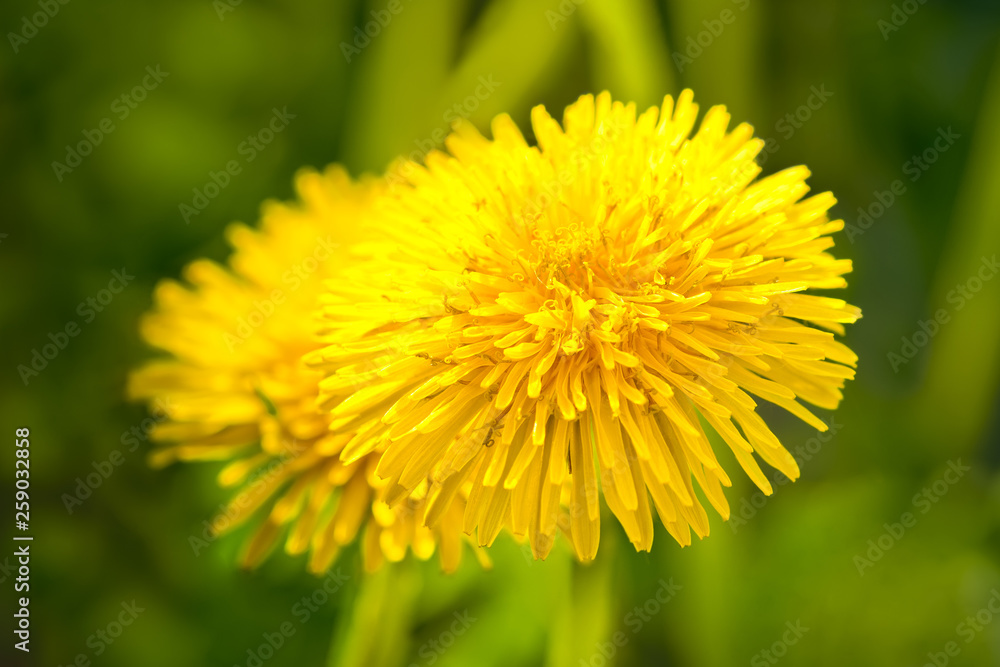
x=893, y=79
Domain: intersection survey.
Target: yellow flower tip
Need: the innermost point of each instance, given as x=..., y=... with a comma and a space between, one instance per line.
x=160, y=458
x=555, y=324
x=237, y=234
x=484, y=560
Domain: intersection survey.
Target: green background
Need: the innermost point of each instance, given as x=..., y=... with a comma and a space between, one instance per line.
x=793, y=560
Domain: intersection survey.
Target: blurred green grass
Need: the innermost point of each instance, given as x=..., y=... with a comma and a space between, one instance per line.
x=794, y=558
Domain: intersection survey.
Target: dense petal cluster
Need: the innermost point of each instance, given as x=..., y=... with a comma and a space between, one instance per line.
x=234, y=386
x=542, y=326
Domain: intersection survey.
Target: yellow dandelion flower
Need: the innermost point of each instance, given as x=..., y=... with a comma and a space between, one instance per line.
x=564, y=320
x=235, y=386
